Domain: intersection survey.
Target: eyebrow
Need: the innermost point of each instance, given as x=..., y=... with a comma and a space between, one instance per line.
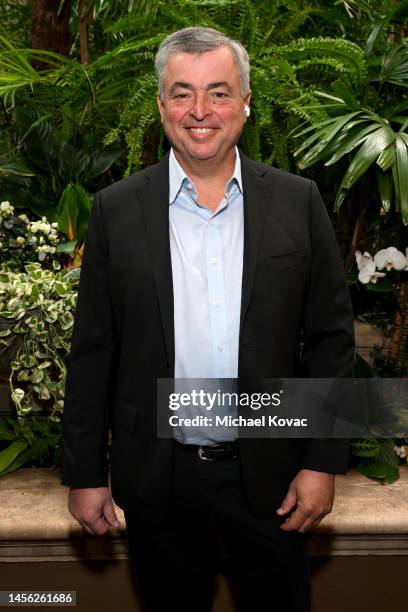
x=184, y=85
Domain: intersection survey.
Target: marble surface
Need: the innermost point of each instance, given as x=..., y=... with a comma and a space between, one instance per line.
x=33, y=506
x=365, y=506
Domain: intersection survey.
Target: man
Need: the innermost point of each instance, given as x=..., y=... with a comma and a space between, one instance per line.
x=207, y=265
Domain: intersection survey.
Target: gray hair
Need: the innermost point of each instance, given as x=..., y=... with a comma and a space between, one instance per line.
x=200, y=40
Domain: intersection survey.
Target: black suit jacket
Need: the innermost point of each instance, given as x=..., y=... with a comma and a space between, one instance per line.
x=293, y=290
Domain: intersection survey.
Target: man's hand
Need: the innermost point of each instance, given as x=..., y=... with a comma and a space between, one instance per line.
x=312, y=493
x=93, y=509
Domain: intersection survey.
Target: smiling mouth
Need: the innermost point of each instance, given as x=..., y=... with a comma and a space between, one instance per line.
x=201, y=131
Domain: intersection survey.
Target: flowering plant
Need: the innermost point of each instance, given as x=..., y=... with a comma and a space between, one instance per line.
x=386, y=259
x=381, y=458
x=23, y=241
x=401, y=450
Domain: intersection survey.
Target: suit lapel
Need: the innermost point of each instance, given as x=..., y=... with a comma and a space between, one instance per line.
x=256, y=197
x=155, y=201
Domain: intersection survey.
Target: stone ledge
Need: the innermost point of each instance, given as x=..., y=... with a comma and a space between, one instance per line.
x=88, y=548
x=367, y=519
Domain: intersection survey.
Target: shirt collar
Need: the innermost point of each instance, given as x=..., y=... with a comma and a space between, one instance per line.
x=177, y=176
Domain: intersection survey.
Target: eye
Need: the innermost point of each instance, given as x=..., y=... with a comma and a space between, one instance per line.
x=181, y=96
x=219, y=94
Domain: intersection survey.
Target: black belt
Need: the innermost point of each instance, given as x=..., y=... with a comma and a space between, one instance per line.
x=214, y=452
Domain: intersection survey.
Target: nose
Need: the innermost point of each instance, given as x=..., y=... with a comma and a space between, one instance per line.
x=201, y=106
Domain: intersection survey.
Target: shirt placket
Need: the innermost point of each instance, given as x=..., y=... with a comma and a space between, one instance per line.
x=217, y=297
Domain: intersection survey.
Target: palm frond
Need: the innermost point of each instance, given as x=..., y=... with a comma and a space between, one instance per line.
x=395, y=66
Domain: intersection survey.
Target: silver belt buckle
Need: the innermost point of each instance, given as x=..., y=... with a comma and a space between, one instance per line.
x=200, y=453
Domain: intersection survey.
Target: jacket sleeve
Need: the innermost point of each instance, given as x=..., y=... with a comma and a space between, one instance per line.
x=89, y=374
x=328, y=329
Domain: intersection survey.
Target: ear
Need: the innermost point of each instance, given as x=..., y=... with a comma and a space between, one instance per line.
x=160, y=105
x=247, y=100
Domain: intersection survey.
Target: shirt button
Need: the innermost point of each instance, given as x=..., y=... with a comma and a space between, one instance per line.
x=214, y=260
x=217, y=303
x=189, y=186
x=220, y=347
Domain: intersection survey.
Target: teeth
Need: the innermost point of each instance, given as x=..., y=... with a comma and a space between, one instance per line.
x=201, y=130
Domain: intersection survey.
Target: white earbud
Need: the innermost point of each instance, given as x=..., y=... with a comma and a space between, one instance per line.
x=247, y=110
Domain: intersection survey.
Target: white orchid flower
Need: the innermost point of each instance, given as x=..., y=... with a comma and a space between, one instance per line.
x=366, y=266
x=390, y=258
x=368, y=273
x=363, y=260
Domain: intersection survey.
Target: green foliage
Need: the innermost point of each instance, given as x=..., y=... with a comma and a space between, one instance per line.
x=383, y=465
x=112, y=99
x=23, y=241
x=326, y=55
x=15, y=19
x=372, y=140
x=17, y=72
x=12, y=456
x=39, y=306
x=53, y=172
x=368, y=121
x=366, y=447
x=379, y=470
x=74, y=212
x=280, y=76
x=138, y=117
x=32, y=442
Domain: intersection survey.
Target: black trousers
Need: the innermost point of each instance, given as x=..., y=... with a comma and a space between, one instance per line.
x=175, y=562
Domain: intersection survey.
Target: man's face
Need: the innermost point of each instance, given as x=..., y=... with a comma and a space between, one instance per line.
x=202, y=107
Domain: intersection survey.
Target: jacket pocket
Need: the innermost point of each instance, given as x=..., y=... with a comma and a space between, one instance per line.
x=283, y=261
x=124, y=414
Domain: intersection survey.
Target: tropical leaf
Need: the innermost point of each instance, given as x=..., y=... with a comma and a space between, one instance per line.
x=352, y=140
x=10, y=454
x=401, y=174
x=401, y=8
x=6, y=431
x=18, y=167
x=101, y=162
x=16, y=71
x=386, y=158
x=345, y=94
x=326, y=136
x=37, y=138
x=362, y=160
x=395, y=66
x=74, y=212
x=379, y=470
x=366, y=447
x=385, y=187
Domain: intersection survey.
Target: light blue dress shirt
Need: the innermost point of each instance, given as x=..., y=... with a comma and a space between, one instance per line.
x=206, y=256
